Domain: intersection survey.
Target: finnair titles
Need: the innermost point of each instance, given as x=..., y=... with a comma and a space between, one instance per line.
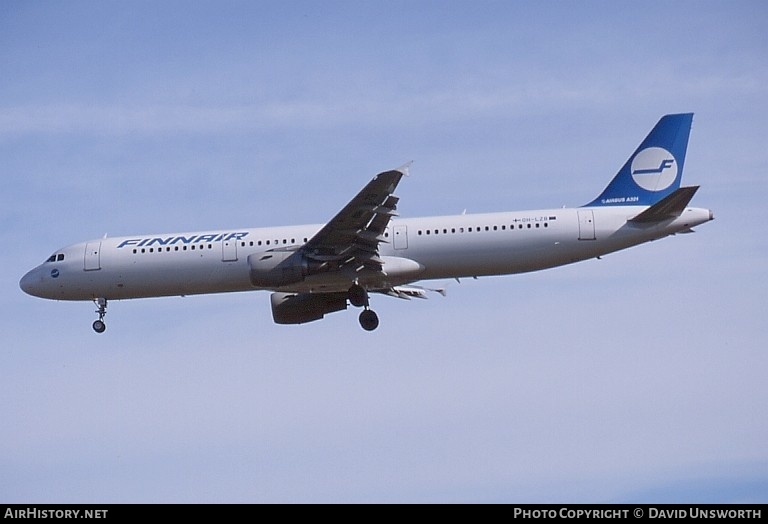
x=174, y=240
x=366, y=250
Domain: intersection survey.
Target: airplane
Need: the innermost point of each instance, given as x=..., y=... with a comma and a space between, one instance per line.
x=313, y=270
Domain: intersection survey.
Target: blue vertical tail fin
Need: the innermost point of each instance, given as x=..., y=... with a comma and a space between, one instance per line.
x=655, y=168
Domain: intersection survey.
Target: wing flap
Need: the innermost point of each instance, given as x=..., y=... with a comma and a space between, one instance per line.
x=409, y=292
x=352, y=237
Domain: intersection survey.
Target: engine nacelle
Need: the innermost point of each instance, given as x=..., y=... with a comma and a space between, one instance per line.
x=298, y=308
x=271, y=269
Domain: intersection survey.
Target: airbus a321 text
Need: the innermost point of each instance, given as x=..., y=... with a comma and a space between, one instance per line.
x=313, y=270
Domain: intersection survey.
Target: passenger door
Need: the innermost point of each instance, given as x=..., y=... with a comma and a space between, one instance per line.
x=92, y=256
x=586, y=224
x=401, y=237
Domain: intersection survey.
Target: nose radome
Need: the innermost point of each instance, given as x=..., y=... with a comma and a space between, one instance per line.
x=29, y=282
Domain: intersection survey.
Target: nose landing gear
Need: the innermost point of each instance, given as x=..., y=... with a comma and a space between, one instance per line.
x=98, y=325
x=358, y=297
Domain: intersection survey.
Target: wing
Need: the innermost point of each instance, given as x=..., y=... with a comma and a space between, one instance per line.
x=353, y=236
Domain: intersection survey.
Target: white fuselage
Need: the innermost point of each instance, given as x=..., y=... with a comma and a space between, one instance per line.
x=415, y=249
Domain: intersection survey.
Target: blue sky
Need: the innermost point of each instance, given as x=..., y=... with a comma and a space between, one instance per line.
x=640, y=377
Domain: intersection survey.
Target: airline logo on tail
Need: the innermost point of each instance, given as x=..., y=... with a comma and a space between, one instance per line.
x=654, y=169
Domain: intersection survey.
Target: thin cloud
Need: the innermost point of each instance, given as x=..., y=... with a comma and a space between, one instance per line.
x=382, y=108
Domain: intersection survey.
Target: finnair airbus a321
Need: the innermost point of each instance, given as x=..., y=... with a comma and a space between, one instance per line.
x=317, y=269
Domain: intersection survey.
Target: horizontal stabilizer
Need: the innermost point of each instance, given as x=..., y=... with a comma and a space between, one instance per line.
x=671, y=206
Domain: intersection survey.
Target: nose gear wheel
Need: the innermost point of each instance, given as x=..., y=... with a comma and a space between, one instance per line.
x=98, y=325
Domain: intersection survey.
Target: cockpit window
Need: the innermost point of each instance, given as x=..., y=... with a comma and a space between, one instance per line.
x=56, y=257
x=60, y=257
x=52, y=259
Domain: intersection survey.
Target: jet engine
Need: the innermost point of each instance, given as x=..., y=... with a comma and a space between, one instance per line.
x=271, y=269
x=298, y=308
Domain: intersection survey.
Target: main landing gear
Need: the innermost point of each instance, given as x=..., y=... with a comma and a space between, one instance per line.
x=358, y=297
x=98, y=325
